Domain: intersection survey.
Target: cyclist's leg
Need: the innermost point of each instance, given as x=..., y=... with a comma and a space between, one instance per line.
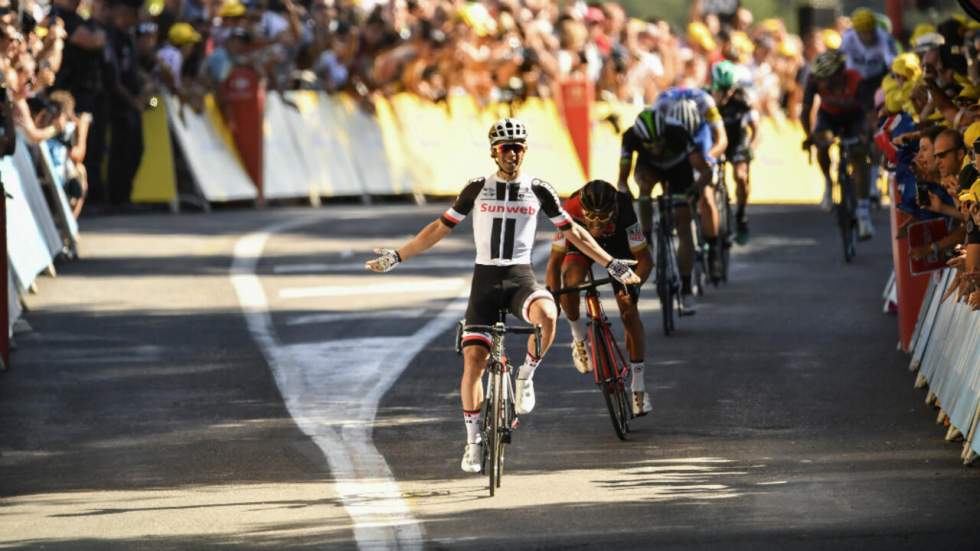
x=574, y=268
x=481, y=310
x=646, y=179
x=627, y=299
x=823, y=137
x=685, y=245
x=743, y=187
x=535, y=305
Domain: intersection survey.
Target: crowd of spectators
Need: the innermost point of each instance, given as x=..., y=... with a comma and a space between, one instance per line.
x=930, y=123
x=83, y=71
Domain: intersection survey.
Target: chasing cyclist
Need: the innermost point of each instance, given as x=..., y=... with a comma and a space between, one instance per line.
x=843, y=112
x=742, y=129
x=505, y=208
x=666, y=153
x=708, y=131
x=609, y=217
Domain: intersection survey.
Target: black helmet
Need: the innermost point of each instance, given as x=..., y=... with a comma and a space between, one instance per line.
x=598, y=196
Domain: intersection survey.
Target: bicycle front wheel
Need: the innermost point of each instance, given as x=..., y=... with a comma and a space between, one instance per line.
x=613, y=389
x=664, y=293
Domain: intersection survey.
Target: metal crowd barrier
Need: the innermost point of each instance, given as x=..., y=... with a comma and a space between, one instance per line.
x=946, y=353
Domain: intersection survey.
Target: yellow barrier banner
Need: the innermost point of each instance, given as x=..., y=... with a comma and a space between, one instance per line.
x=780, y=173
x=609, y=121
x=155, y=181
x=551, y=154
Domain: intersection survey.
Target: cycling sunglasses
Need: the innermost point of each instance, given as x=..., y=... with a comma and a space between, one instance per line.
x=514, y=147
x=598, y=216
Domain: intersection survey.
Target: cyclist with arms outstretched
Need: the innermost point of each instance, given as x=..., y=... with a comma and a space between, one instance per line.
x=843, y=112
x=505, y=208
x=666, y=153
x=609, y=217
x=742, y=129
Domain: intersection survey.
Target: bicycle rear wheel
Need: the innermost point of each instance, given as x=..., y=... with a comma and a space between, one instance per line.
x=664, y=292
x=611, y=384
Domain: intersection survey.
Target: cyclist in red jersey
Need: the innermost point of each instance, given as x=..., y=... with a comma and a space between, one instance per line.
x=610, y=219
x=843, y=112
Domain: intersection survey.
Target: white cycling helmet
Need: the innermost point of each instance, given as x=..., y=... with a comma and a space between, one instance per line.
x=685, y=112
x=507, y=130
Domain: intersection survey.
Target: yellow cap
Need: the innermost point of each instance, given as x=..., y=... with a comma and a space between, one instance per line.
x=971, y=195
x=698, y=33
x=907, y=66
x=863, y=20
x=831, y=39
x=971, y=134
x=232, y=9
x=182, y=33
x=772, y=25
x=788, y=48
x=921, y=29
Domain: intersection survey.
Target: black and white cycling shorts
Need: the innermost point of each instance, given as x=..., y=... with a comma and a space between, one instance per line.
x=495, y=288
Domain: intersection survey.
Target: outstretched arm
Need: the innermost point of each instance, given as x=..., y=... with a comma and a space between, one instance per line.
x=423, y=241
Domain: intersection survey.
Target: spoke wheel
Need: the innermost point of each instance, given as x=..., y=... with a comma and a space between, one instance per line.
x=613, y=390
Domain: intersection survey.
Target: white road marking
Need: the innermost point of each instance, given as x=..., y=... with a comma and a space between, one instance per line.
x=335, y=405
x=408, y=313
x=375, y=288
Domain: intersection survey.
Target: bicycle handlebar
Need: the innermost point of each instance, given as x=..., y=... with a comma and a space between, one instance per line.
x=584, y=286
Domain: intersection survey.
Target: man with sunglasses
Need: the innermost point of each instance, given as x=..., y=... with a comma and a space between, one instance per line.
x=609, y=217
x=505, y=208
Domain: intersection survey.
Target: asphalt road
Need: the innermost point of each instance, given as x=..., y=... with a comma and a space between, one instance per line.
x=236, y=380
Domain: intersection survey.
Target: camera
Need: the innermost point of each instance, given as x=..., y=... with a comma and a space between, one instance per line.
x=922, y=195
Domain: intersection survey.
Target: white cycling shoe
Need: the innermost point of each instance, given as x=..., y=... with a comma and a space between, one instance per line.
x=689, y=305
x=472, y=458
x=866, y=229
x=580, y=356
x=641, y=404
x=524, y=401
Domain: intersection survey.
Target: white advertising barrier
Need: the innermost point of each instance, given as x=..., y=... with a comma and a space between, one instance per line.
x=217, y=173
x=947, y=351
x=55, y=163
x=923, y=325
x=13, y=302
x=27, y=249
x=284, y=173
x=35, y=198
x=366, y=148
x=331, y=146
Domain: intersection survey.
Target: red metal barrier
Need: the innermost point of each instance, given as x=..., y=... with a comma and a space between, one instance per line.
x=243, y=94
x=575, y=100
x=910, y=289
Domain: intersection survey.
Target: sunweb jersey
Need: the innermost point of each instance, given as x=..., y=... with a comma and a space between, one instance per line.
x=505, y=216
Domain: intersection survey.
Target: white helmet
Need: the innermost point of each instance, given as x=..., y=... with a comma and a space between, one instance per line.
x=649, y=124
x=507, y=130
x=685, y=112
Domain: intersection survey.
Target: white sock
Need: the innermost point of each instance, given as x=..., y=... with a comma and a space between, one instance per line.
x=637, y=384
x=578, y=328
x=527, y=370
x=472, y=421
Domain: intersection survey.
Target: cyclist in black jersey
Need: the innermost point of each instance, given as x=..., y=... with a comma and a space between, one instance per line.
x=505, y=206
x=666, y=153
x=609, y=217
x=742, y=127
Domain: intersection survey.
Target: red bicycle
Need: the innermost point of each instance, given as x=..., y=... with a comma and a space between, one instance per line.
x=609, y=366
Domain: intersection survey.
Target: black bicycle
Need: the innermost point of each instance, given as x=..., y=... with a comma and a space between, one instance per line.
x=499, y=415
x=726, y=227
x=668, y=275
x=608, y=363
x=701, y=268
x=845, y=204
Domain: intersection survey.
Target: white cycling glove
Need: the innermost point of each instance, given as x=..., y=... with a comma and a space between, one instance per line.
x=387, y=259
x=621, y=272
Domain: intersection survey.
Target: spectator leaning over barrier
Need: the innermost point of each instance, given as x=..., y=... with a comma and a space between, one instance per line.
x=61, y=104
x=181, y=40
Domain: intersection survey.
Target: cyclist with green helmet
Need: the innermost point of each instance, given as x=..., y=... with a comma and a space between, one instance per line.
x=742, y=127
x=667, y=153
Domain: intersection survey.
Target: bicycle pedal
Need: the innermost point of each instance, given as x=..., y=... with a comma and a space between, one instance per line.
x=505, y=437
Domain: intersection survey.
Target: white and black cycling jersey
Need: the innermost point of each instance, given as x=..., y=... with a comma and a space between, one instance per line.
x=505, y=216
